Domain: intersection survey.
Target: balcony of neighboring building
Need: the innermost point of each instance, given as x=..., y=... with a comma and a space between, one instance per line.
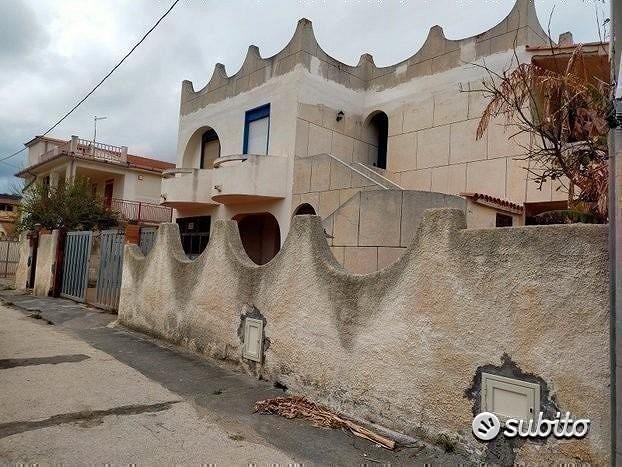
x=47, y=155
x=85, y=149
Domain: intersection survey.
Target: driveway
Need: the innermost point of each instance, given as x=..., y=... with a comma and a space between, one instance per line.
x=78, y=389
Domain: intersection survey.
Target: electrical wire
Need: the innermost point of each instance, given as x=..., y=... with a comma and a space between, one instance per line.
x=102, y=80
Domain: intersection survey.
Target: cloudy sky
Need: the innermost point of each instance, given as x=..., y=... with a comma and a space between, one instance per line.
x=53, y=51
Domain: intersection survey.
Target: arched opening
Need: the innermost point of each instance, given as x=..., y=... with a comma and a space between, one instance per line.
x=210, y=149
x=194, y=233
x=378, y=126
x=202, y=149
x=260, y=235
x=304, y=208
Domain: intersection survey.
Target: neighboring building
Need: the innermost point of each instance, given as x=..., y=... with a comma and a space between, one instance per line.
x=128, y=184
x=9, y=205
x=301, y=132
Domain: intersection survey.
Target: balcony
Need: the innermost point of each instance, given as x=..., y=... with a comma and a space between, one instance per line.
x=186, y=188
x=234, y=179
x=88, y=150
x=137, y=211
x=248, y=178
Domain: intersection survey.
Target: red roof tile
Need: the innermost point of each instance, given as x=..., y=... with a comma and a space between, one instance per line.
x=140, y=162
x=502, y=203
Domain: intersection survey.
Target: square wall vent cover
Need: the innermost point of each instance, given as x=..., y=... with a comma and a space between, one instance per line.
x=253, y=339
x=509, y=398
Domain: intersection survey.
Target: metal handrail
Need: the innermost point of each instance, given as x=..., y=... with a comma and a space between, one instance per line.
x=335, y=158
x=169, y=173
x=390, y=182
x=236, y=157
x=139, y=210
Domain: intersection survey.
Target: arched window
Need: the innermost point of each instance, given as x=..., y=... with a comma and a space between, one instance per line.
x=304, y=208
x=378, y=125
x=210, y=149
x=202, y=149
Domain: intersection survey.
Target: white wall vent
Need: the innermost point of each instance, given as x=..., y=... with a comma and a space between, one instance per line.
x=509, y=398
x=253, y=339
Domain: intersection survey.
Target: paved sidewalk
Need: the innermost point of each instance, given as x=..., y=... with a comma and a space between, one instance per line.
x=77, y=390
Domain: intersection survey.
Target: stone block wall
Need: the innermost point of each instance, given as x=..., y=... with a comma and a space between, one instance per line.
x=372, y=229
x=404, y=346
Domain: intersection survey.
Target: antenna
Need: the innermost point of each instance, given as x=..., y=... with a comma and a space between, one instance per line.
x=95, y=118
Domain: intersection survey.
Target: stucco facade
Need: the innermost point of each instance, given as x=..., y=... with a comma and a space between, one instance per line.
x=120, y=179
x=336, y=129
x=404, y=346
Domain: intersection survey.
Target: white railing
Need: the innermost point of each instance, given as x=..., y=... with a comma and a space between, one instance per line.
x=55, y=151
x=101, y=151
x=88, y=149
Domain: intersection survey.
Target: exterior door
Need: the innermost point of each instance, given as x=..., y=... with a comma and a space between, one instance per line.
x=108, y=189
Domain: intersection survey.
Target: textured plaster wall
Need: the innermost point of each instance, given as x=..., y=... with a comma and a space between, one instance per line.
x=400, y=346
x=46, y=259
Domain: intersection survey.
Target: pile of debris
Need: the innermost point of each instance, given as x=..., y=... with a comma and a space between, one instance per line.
x=301, y=407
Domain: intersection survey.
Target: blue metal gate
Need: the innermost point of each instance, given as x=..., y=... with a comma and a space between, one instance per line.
x=76, y=254
x=110, y=269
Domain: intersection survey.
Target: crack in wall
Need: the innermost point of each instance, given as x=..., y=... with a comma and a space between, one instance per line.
x=83, y=417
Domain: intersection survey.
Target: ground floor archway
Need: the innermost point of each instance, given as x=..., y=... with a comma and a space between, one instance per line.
x=260, y=236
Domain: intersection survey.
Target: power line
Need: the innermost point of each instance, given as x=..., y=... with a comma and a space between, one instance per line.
x=102, y=80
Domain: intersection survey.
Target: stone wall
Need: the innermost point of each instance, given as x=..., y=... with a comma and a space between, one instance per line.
x=404, y=346
x=46, y=262
x=372, y=229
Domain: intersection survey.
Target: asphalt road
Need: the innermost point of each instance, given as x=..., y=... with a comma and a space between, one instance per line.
x=75, y=388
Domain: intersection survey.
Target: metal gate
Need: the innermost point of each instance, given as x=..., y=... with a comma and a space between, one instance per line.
x=9, y=257
x=110, y=269
x=77, y=252
x=147, y=239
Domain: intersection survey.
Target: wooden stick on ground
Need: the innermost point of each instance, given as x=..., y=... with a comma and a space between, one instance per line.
x=297, y=406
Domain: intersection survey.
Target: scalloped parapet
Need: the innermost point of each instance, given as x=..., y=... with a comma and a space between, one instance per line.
x=385, y=345
x=521, y=27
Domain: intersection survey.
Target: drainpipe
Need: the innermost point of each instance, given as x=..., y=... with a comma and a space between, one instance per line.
x=615, y=232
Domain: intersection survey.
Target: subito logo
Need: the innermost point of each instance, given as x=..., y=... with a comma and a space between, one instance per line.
x=486, y=426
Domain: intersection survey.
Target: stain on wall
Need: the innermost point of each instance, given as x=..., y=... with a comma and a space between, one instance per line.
x=400, y=346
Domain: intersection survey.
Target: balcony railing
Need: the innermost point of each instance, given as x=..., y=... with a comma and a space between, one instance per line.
x=137, y=211
x=89, y=149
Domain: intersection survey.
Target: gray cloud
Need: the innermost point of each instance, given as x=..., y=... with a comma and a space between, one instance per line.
x=20, y=34
x=58, y=49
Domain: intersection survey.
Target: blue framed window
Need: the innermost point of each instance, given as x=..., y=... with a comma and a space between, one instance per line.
x=257, y=130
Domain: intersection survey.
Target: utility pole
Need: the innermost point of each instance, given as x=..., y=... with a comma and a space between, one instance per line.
x=95, y=119
x=615, y=233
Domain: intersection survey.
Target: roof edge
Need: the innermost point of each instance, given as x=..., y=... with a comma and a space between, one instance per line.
x=522, y=21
